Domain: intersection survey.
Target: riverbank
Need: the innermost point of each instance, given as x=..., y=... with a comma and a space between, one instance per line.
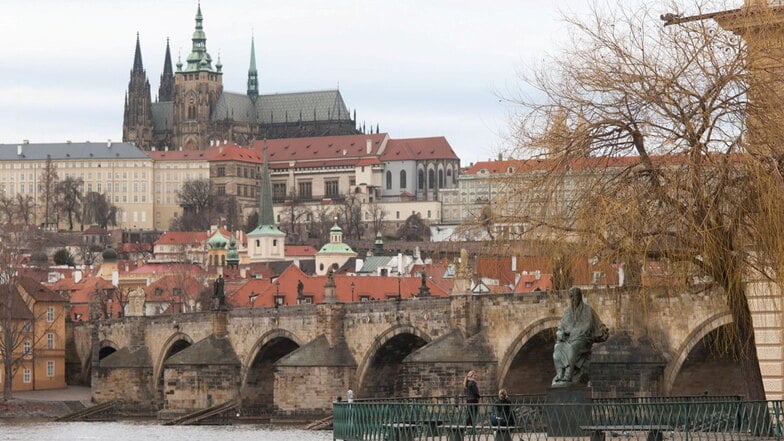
x=43, y=405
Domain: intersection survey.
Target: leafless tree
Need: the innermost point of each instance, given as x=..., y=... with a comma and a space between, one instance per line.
x=8, y=208
x=351, y=214
x=25, y=208
x=48, y=194
x=71, y=199
x=99, y=210
x=639, y=129
x=377, y=216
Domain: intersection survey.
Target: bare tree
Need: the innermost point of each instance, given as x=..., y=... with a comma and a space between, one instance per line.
x=293, y=217
x=377, y=216
x=639, y=129
x=195, y=198
x=48, y=192
x=351, y=212
x=7, y=208
x=25, y=208
x=98, y=210
x=71, y=198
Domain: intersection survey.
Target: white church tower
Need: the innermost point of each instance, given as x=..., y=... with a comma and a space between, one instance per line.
x=266, y=242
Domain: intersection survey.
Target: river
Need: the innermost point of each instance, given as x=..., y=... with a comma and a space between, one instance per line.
x=120, y=431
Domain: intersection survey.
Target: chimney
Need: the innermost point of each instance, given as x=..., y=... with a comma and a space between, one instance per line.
x=25, y=141
x=514, y=264
x=77, y=276
x=369, y=145
x=108, y=143
x=400, y=263
x=19, y=150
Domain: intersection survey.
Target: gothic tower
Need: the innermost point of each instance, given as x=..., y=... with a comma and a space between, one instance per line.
x=137, y=118
x=197, y=86
x=166, y=89
x=253, y=74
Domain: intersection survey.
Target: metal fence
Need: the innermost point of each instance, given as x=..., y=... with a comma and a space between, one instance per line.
x=652, y=419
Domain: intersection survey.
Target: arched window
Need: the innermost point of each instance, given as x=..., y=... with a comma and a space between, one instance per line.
x=440, y=179
x=421, y=179
x=389, y=180
x=402, y=179
x=431, y=178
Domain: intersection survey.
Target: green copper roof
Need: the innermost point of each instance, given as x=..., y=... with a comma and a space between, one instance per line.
x=266, y=230
x=233, y=256
x=253, y=75
x=335, y=229
x=336, y=248
x=199, y=59
x=218, y=240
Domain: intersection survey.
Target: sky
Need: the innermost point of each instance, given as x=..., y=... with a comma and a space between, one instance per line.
x=417, y=68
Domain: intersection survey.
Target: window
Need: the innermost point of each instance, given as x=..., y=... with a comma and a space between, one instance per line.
x=421, y=179
x=27, y=376
x=50, y=314
x=279, y=190
x=305, y=190
x=27, y=347
x=220, y=189
x=221, y=171
x=389, y=180
x=440, y=179
x=50, y=369
x=402, y=179
x=331, y=188
x=50, y=340
x=431, y=178
x=280, y=300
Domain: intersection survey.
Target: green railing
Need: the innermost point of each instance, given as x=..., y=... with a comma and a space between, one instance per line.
x=694, y=418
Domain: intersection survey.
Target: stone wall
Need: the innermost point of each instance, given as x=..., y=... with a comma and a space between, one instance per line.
x=310, y=390
x=194, y=387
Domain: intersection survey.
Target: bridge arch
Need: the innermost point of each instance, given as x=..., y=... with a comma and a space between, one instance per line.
x=692, y=340
x=392, y=343
x=174, y=344
x=257, y=388
x=533, y=333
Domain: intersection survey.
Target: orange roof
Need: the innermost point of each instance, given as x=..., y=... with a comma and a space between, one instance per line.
x=298, y=250
x=182, y=238
x=162, y=290
x=329, y=148
x=418, y=148
x=241, y=298
x=532, y=282
x=368, y=161
x=234, y=152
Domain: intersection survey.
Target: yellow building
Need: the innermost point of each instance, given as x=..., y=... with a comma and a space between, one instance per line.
x=37, y=317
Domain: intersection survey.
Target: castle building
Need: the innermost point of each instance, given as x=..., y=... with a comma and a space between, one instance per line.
x=192, y=109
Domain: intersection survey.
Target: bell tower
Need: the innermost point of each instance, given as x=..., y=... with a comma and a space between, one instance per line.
x=197, y=87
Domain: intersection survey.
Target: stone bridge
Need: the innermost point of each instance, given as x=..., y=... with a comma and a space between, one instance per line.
x=295, y=360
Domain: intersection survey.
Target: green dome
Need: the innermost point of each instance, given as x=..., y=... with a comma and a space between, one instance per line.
x=217, y=241
x=233, y=256
x=109, y=254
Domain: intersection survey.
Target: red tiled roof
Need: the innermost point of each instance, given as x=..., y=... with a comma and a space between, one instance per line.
x=182, y=238
x=325, y=148
x=418, y=148
x=534, y=282
x=253, y=287
x=299, y=250
x=165, y=288
x=234, y=152
x=368, y=161
x=38, y=291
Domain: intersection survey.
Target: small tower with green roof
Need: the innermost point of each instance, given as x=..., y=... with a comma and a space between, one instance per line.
x=334, y=253
x=253, y=74
x=266, y=242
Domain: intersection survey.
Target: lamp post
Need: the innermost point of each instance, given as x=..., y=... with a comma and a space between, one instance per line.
x=352, y=291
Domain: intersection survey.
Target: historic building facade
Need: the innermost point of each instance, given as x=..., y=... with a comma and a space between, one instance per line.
x=192, y=109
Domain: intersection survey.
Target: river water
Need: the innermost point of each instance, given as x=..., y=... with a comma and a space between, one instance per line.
x=120, y=431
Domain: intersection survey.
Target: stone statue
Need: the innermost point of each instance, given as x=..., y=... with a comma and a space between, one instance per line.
x=578, y=330
x=218, y=296
x=300, y=289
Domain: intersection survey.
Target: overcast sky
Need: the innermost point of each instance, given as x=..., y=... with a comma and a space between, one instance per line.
x=415, y=67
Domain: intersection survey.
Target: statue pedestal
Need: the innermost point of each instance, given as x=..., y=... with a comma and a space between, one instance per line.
x=569, y=408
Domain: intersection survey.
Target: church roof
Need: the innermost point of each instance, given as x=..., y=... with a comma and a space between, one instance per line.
x=436, y=147
x=348, y=149
x=71, y=150
x=281, y=107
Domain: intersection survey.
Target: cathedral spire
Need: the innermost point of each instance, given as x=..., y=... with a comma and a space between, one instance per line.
x=137, y=57
x=166, y=88
x=199, y=59
x=253, y=75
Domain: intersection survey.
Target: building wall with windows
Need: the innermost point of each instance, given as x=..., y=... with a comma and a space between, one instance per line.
x=171, y=169
x=120, y=171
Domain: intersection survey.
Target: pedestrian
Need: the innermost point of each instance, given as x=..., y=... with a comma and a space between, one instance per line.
x=503, y=416
x=472, y=396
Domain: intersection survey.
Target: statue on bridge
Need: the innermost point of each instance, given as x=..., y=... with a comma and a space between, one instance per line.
x=578, y=330
x=218, y=296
